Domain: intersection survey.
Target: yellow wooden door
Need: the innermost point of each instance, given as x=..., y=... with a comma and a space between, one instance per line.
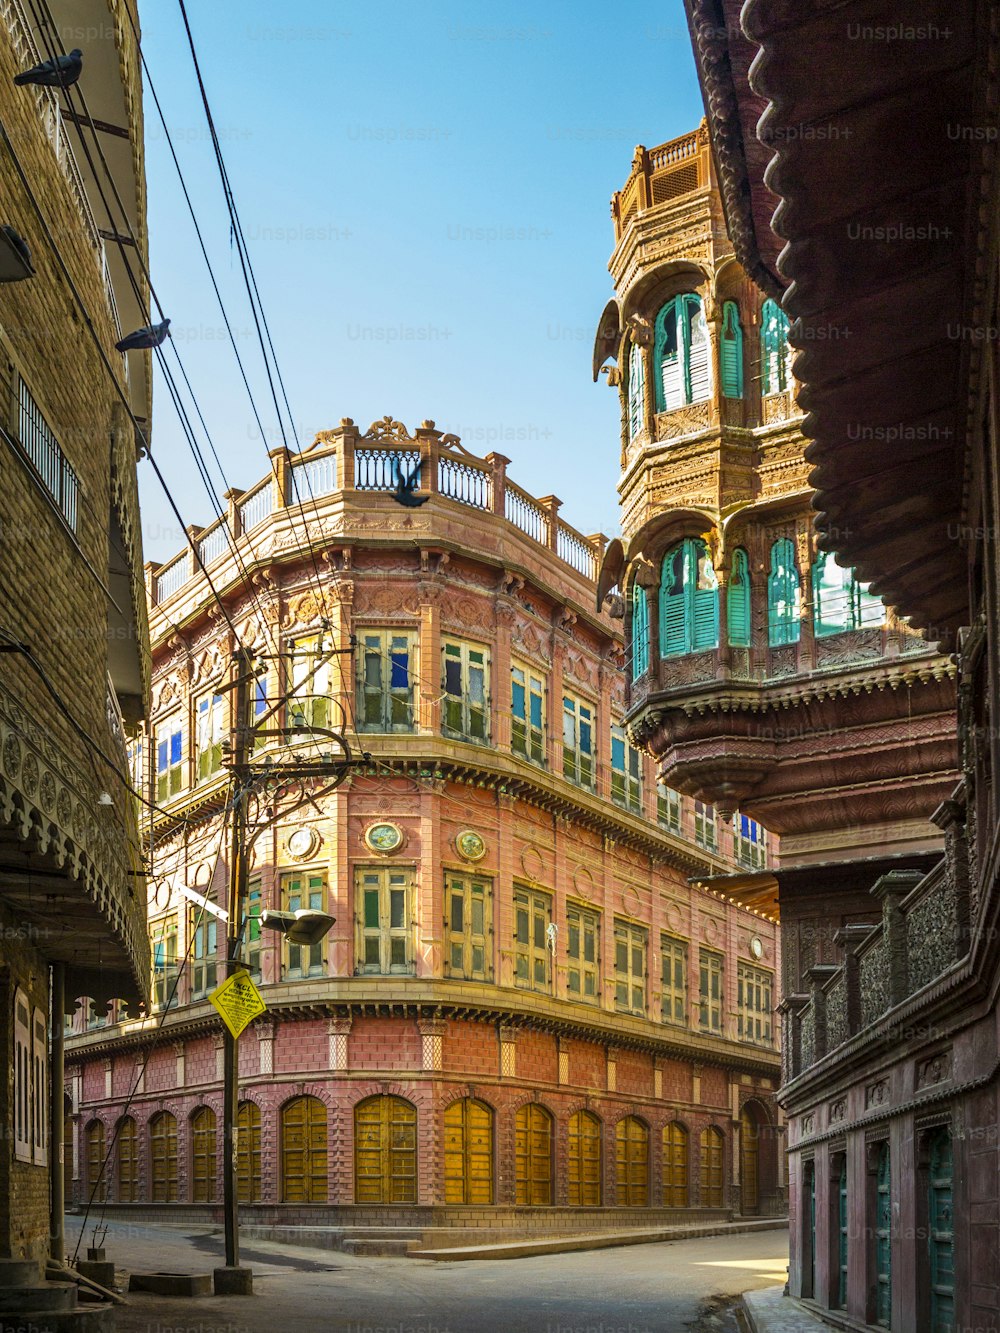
x=303, y=1151
x=203, y=1155
x=711, y=1168
x=128, y=1162
x=468, y=1153
x=385, y=1151
x=96, y=1181
x=248, y=1153
x=533, y=1156
x=632, y=1143
x=163, y=1157
x=749, y=1164
x=584, y=1161
x=675, y=1166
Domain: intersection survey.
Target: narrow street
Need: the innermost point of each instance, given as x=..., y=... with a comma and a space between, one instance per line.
x=635, y=1289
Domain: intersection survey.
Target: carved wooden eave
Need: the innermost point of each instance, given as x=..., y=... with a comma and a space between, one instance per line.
x=883, y=213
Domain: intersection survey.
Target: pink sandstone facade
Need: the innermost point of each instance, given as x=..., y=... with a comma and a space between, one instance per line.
x=525, y=1008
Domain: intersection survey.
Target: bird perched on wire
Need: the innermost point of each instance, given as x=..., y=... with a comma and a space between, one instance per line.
x=61, y=72
x=405, y=486
x=151, y=335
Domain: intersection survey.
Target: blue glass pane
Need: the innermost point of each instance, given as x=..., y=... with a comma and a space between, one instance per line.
x=161, y=757
x=175, y=747
x=453, y=676
x=617, y=753
x=399, y=662
x=517, y=700
x=536, y=710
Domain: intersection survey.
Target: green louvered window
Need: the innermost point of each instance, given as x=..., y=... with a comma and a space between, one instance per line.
x=640, y=631
x=689, y=599
x=731, y=351
x=775, y=353
x=883, y=1240
x=840, y=602
x=843, y=1232
x=636, y=390
x=738, y=601
x=941, y=1232
x=783, y=600
x=682, y=353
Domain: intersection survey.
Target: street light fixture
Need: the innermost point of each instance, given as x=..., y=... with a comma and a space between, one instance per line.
x=303, y=927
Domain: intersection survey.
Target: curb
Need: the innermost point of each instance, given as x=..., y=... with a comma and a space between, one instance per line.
x=524, y=1249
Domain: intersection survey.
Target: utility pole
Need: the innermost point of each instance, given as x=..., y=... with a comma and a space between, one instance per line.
x=234, y=1280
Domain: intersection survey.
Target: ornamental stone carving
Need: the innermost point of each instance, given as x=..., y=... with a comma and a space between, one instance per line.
x=935, y=1069
x=877, y=1094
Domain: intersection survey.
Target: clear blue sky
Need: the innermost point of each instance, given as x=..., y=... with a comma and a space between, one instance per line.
x=425, y=192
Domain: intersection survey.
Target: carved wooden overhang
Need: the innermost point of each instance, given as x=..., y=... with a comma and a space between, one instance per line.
x=816, y=755
x=607, y=338
x=66, y=863
x=878, y=131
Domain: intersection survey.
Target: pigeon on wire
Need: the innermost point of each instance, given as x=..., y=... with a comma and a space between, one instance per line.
x=405, y=486
x=151, y=335
x=61, y=72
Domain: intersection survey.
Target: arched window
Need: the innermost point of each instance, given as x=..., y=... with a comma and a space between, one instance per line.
x=689, y=599
x=97, y=1184
x=783, y=598
x=632, y=1162
x=775, y=353
x=681, y=353
x=128, y=1161
x=840, y=602
x=303, y=1151
x=738, y=601
x=533, y=1156
x=385, y=1150
x=675, y=1165
x=731, y=351
x=163, y=1157
x=711, y=1167
x=468, y=1152
x=248, y=1153
x=640, y=631
x=583, y=1161
x=636, y=391
x=203, y=1155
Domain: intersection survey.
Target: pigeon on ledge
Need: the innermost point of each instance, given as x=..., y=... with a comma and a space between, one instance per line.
x=143, y=339
x=405, y=486
x=62, y=72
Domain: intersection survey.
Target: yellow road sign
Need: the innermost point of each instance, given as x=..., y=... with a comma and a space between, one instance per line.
x=238, y=1001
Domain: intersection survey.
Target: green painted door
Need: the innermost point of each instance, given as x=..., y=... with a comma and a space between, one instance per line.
x=883, y=1239
x=812, y=1229
x=842, y=1220
x=940, y=1237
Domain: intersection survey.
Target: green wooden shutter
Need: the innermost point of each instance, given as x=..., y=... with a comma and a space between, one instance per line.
x=704, y=596
x=783, y=594
x=774, y=352
x=738, y=601
x=636, y=384
x=673, y=638
x=640, y=632
x=668, y=358
x=731, y=354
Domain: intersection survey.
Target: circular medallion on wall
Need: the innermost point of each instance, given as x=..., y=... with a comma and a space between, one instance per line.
x=383, y=837
x=757, y=946
x=470, y=845
x=302, y=842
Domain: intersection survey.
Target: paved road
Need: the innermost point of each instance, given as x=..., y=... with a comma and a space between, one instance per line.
x=664, y=1288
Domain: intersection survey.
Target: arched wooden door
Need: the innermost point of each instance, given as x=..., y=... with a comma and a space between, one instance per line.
x=533, y=1156
x=248, y=1153
x=95, y=1146
x=128, y=1161
x=632, y=1162
x=583, y=1160
x=303, y=1151
x=468, y=1152
x=385, y=1151
x=203, y=1141
x=163, y=1157
x=711, y=1168
x=675, y=1166
x=749, y=1163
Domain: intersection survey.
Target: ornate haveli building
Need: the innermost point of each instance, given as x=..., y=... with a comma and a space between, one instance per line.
x=74, y=647
x=524, y=1008
x=856, y=150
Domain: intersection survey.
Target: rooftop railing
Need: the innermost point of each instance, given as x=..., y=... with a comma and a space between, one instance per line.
x=660, y=175
x=386, y=456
